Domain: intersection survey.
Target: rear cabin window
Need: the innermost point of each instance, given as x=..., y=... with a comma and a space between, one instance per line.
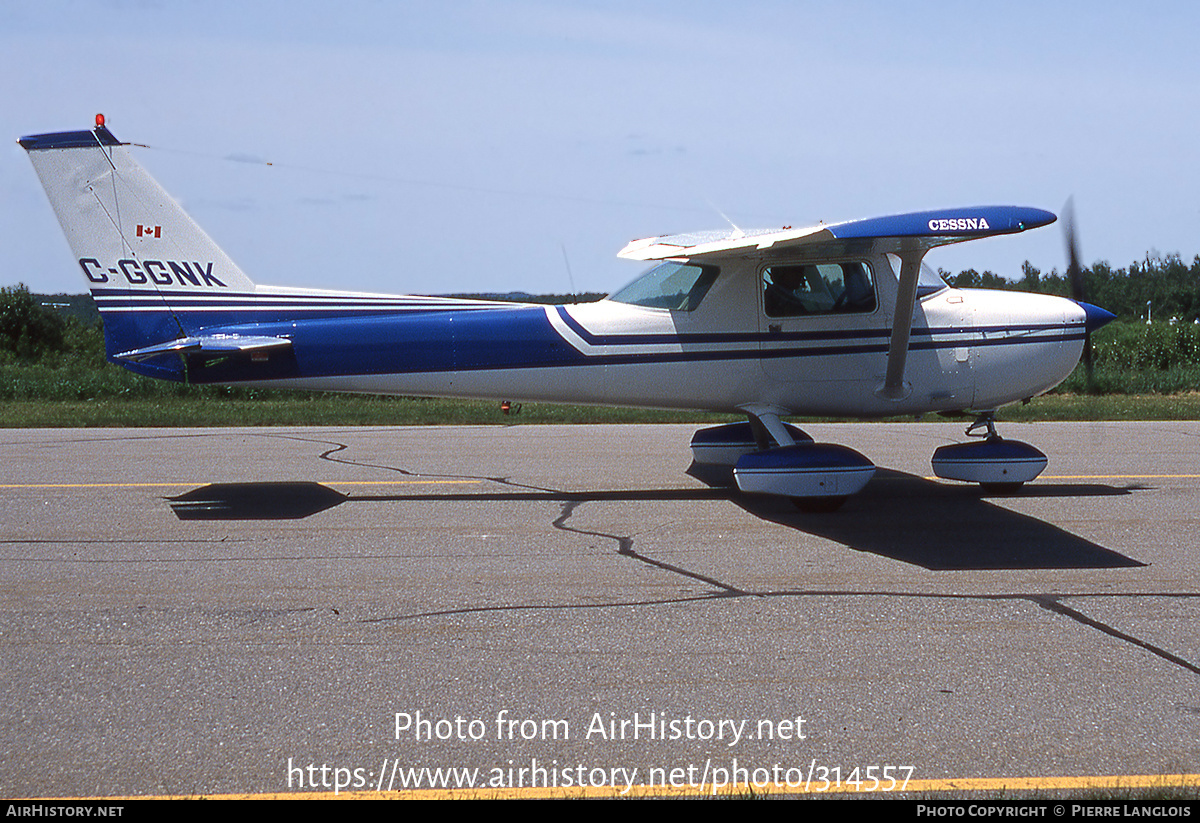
x=674, y=286
x=818, y=288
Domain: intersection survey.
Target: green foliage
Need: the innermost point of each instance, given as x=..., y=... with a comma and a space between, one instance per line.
x=27, y=329
x=971, y=279
x=197, y=408
x=1136, y=358
x=1160, y=346
x=1031, y=278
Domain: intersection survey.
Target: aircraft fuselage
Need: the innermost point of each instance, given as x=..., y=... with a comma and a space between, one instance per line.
x=969, y=349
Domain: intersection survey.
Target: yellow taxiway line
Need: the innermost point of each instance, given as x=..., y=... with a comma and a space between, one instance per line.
x=949, y=785
x=206, y=483
x=1102, y=477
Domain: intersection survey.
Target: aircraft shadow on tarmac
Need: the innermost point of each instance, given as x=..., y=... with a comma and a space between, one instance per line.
x=937, y=526
x=255, y=501
x=946, y=527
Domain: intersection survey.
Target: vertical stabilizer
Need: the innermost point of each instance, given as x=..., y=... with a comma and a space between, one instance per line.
x=141, y=254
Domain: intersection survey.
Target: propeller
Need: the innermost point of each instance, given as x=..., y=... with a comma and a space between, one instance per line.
x=1078, y=293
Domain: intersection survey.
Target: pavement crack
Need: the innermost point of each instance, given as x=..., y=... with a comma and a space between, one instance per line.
x=727, y=590
x=1050, y=602
x=336, y=447
x=1053, y=603
x=625, y=548
x=536, y=607
x=624, y=542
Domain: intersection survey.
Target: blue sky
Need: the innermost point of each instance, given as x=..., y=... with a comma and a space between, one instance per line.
x=475, y=146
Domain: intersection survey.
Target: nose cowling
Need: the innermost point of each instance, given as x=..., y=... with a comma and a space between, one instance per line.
x=1030, y=343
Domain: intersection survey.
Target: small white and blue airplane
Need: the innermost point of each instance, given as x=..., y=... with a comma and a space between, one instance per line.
x=840, y=319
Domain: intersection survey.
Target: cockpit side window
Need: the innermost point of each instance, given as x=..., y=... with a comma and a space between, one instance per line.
x=821, y=288
x=671, y=285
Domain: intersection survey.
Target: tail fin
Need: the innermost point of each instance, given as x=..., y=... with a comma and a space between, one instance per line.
x=142, y=255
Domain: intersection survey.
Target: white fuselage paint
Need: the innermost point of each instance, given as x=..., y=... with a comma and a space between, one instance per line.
x=970, y=349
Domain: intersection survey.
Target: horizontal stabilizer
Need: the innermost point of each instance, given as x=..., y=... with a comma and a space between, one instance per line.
x=217, y=345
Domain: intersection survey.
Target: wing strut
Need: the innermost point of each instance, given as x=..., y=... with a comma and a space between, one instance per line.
x=894, y=387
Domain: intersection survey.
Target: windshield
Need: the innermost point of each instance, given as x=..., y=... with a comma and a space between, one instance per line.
x=928, y=281
x=671, y=285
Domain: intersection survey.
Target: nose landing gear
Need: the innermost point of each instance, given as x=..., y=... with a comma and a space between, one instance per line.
x=998, y=465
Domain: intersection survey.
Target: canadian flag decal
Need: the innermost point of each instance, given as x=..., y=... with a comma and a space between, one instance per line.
x=149, y=231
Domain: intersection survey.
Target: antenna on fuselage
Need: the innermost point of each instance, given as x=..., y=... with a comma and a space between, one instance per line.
x=570, y=278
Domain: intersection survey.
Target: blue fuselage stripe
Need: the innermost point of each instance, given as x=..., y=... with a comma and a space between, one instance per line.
x=517, y=337
x=790, y=336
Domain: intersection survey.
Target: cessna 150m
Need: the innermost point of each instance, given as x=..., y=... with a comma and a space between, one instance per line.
x=840, y=319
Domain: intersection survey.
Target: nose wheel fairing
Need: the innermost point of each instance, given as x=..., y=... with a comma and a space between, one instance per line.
x=995, y=463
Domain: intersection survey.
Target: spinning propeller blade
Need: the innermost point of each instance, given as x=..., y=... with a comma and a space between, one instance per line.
x=1078, y=294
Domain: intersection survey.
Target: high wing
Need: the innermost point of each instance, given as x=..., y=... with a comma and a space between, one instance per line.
x=894, y=234
x=908, y=236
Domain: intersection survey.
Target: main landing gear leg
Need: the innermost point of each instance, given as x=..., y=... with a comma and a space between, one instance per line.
x=725, y=445
x=998, y=465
